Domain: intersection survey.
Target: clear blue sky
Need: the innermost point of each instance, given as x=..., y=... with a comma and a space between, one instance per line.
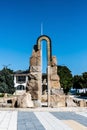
x=64, y=21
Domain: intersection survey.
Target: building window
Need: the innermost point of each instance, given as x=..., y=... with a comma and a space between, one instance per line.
x=20, y=87
x=21, y=79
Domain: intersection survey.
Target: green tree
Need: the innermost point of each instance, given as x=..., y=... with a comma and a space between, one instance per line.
x=84, y=75
x=65, y=78
x=6, y=81
x=78, y=82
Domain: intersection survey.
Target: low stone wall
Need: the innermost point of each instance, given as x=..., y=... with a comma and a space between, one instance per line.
x=7, y=101
x=25, y=101
x=80, y=102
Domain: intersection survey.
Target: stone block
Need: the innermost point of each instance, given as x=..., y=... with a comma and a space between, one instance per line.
x=37, y=103
x=54, y=70
x=44, y=98
x=14, y=102
x=61, y=103
x=82, y=103
x=35, y=68
x=54, y=61
x=34, y=94
x=33, y=61
x=55, y=77
x=57, y=100
x=69, y=102
x=25, y=101
x=55, y=84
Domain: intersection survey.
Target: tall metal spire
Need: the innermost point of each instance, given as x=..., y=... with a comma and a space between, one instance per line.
x=41, y=28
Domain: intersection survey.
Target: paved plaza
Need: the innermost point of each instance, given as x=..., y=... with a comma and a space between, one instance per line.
x=43, y=119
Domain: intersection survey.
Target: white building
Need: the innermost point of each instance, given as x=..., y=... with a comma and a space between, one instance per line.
x=20, y=81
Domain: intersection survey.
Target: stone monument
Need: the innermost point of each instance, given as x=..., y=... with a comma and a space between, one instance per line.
x=34, y=84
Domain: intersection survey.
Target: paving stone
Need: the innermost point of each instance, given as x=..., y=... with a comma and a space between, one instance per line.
x=50, y=122
x=71, y=116
x=10, y=120
x=29, y=120
x=21, y=127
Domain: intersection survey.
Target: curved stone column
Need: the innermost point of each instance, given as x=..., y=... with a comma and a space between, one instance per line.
x=49, y=59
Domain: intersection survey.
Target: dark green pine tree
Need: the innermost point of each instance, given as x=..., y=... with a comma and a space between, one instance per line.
x=6, y=81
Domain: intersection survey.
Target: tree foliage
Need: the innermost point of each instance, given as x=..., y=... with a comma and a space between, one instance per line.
x=65, y=78
x=84, y=75
x=80, y=81
x=6, y=81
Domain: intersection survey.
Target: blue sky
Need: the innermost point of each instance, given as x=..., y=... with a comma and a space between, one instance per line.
x=64, y=21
